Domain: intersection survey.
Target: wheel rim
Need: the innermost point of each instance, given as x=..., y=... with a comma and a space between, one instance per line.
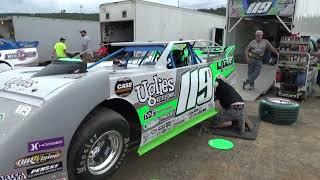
x=280, y=101
x=105, y=152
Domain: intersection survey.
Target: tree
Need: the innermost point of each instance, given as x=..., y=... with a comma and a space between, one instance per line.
x=218, y=11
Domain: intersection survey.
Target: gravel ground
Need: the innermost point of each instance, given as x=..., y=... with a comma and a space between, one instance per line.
x=280, y=152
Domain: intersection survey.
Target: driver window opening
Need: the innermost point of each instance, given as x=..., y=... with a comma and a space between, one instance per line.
x=180, y=56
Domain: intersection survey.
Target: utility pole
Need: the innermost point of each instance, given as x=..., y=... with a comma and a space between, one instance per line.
x=81, y=11
x=178, y=3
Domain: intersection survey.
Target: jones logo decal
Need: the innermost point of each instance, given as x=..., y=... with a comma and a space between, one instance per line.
x=196, y=89
x=259, y=8
x=43, y=170
x=158, y=91
x=38, y=159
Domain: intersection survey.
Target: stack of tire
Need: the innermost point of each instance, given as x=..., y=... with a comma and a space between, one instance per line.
x=278, y=111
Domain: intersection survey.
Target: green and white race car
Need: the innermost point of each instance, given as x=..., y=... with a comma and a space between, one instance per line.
x=71, y=120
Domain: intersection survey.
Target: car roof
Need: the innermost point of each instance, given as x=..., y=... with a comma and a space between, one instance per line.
x=151, y=43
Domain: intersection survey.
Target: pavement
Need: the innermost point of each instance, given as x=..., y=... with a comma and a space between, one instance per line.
x=280, y=152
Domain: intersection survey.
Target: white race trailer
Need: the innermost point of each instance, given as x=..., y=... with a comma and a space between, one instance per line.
x=137, y=20
x=48, y=31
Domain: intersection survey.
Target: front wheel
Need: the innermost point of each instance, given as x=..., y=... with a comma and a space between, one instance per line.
x=99, y=146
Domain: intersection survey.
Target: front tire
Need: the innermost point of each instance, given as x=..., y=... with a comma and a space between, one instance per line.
x=99, y=146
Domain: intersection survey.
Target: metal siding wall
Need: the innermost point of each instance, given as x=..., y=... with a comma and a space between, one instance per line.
x=160, y=23
x=307, y=18
x=115, y=11
x=48, y=31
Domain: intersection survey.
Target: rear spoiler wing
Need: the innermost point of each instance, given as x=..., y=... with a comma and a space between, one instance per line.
x=7, y=45
x=27, y=44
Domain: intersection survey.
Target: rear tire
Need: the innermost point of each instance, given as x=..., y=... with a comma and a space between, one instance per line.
x=99, y=146
x=279, y=111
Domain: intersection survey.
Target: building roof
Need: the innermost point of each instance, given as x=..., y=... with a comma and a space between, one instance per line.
x=69, y=16
x=157, y=43
x=160, y=5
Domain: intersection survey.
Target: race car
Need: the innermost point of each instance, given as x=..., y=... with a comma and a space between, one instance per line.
x=76, y=121
x=20, y=53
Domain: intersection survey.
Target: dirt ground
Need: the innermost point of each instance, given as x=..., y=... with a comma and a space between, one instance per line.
x=280, y=152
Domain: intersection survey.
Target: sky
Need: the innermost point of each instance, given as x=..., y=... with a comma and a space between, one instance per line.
x=90, y=6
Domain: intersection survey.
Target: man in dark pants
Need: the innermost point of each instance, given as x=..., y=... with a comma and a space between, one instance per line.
x=254, y=54
x=232, y=105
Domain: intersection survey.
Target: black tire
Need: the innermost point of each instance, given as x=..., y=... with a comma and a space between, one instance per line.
x=279, y=111
x=99, y=123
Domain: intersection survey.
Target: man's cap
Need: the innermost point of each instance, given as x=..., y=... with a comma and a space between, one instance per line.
x=83, y=31
x=62, y=39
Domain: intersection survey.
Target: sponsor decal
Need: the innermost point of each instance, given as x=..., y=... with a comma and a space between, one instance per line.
x=19, y=82
x=23, y=110
x=2, y=116
x=196, y=89
x=242, y=8
x=157, y=91
x=123, y=87
x=224, y=63
x=21, y=55
x=45, y=144
x=150, y=114
x=13, y=176
x=259, y=8
x=38, y=159
x=44, y=170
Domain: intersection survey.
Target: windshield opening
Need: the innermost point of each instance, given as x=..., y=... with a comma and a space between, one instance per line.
x=134, y=55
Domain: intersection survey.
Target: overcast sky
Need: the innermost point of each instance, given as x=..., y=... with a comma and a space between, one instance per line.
x=89, y=6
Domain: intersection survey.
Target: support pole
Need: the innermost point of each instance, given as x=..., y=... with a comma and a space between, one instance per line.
x=284, y=24
x=234, y=26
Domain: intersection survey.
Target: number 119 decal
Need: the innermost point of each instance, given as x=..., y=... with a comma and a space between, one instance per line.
x=196, y=89
x=259, y=8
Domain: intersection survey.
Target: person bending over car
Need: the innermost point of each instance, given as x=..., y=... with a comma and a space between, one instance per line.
x=230, y=104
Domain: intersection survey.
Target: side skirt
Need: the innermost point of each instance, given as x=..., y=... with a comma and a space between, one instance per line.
x=175, y=131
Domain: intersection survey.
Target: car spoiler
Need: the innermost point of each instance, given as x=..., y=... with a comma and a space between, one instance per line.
x=6, y=45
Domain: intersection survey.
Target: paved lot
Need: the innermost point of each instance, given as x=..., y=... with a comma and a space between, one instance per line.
x=280, y=152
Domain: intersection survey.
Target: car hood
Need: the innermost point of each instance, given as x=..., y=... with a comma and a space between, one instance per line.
x=20, y=82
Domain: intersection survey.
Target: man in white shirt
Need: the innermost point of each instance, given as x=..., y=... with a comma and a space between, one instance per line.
x=85, y=46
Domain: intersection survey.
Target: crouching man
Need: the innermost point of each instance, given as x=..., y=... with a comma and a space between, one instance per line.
x=230, y=104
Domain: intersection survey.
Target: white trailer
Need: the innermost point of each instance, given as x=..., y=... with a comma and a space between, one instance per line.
x=275, y=17
x=48, y=31
x=137, y=20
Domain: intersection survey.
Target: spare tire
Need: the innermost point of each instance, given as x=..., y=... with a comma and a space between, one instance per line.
x=278, y=111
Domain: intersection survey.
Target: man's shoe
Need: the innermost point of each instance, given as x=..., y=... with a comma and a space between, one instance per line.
x=244, y=84
x=251, y=88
